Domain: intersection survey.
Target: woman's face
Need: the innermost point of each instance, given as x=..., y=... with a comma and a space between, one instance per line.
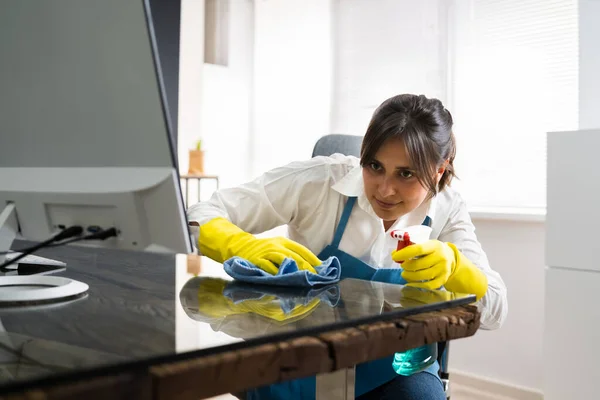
x=390, y=184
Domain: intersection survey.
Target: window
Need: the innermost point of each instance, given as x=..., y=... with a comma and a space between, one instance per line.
x=513, y=77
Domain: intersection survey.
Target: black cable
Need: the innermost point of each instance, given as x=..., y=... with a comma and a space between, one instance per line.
x=27, y=249
x=62, y=235
x=102, y=235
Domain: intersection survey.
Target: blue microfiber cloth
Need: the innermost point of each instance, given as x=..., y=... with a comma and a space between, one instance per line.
x=288, y=297
x=287, y=275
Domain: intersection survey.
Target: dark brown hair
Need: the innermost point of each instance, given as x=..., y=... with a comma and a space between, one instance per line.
x=425, y=126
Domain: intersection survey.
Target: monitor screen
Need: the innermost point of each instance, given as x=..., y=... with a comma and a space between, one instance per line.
x=80, y=86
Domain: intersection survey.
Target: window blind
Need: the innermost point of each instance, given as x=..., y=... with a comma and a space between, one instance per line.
x=513, y=77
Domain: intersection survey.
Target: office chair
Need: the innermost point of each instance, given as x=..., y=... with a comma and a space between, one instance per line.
x=350, y=145
x=334, y=143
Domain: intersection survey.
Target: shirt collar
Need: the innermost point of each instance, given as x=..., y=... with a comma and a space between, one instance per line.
x=417, y=216
x=351, y=185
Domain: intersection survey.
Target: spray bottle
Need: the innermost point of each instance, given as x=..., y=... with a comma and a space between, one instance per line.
x=420, y=358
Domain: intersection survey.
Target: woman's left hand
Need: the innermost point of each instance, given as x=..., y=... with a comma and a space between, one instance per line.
x=434, y=264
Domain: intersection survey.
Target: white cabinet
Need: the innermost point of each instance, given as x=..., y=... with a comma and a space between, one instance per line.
x=572, y=292
x=571, y=335
x=573, y=199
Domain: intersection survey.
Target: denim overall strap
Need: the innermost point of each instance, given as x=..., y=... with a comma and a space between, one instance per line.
x=427, y=221
x=339, y=232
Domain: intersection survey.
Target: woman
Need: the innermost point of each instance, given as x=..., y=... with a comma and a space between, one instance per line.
x=345, y=207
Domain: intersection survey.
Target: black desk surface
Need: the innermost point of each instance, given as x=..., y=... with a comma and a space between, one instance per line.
x=144, y=309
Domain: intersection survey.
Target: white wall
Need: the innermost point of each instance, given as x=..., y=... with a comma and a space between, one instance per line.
x=512, y=354
x=382, y=49
x=292, y=80
x=191, y=60
x=216, y=101
x=227, y=102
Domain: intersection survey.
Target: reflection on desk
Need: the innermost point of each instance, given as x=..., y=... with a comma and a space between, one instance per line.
x=146, y=309
x=246, y=311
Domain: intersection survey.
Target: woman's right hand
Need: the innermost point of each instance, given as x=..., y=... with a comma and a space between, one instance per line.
x=220, y=240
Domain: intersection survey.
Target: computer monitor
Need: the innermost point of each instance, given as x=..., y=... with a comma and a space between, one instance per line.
x=84, y=127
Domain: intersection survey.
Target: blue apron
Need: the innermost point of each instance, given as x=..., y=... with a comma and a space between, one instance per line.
x=369, y=375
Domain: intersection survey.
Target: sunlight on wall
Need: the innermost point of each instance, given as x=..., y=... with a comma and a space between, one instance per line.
x=292, y=80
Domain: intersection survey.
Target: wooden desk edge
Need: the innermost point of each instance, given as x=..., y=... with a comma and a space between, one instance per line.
x=236, y=371
x=239, y=370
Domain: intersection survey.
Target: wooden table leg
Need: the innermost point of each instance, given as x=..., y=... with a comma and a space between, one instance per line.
x=198, y=180
x=336, y=385
x=187, y=200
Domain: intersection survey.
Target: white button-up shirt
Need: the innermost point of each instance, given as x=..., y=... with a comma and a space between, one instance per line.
x=309, y=196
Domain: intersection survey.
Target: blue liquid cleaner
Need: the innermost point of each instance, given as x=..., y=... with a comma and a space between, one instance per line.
x=415, y=360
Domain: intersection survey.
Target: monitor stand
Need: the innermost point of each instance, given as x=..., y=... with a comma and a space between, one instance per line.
x=33, y=260
x=35, y=287
x=8, y=232
x=8, y=229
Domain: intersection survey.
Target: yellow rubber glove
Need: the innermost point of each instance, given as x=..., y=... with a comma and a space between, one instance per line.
x=213, y=304
x=220, y=240
x=411, y=297
x=440, y=264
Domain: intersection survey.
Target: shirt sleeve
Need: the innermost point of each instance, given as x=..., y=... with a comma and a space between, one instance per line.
x=275, y=198
x=460, y=231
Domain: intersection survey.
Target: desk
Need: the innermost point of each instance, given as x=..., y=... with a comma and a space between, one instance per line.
x=198, y=178
x=140, y=332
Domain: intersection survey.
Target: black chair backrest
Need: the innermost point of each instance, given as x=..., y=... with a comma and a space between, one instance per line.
x=335, y=143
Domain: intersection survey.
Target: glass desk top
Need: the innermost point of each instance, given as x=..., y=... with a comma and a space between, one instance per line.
x=146, y=308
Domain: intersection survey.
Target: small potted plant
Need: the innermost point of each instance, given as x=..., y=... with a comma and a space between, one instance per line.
x=196, y=165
